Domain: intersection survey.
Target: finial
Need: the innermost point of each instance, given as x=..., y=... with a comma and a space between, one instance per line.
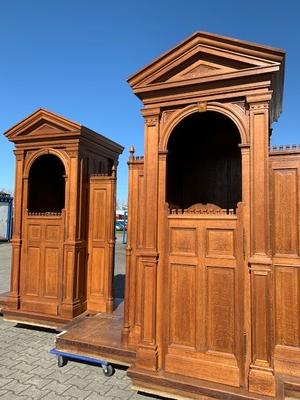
x=113, y=170
x=131, y=151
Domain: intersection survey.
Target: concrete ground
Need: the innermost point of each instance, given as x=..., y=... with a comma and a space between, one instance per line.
x=27, y=371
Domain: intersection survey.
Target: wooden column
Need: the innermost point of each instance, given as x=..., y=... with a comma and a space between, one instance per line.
x=71, y=260
x=245, y=153
x=147, y=357
x=128, y=276
x=261, y=375
x=162, y=267
x=14, y=295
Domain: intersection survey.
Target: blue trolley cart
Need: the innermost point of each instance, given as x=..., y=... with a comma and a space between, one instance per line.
x=63, y=358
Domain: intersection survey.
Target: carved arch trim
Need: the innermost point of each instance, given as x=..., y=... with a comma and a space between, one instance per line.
x=59, y=154
x=229, y=110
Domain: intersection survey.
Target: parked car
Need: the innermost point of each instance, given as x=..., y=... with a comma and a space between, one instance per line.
x=120, y=226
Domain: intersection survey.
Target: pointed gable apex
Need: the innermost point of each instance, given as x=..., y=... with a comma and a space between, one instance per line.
x=206, y=55
x=41, y=123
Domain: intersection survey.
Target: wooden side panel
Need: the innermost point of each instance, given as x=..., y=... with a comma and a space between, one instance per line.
x=285, y=198
x=287, y=305
x=285, y=201
x=101, y=243
x=99, y=205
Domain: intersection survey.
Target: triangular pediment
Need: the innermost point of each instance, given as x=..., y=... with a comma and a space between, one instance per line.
x=199, y=66
x=40, y=124
x=205, y=56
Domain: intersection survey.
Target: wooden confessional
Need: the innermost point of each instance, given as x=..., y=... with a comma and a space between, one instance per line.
x=63, y=235
x=212, y=280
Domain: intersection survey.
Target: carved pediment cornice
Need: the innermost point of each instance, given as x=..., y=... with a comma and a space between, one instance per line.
x=204, y=62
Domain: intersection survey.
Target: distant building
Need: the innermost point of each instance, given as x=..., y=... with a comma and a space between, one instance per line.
x=6, y=214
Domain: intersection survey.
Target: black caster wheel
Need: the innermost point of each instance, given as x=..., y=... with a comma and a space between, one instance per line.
x=61, y=361
x=108, y=370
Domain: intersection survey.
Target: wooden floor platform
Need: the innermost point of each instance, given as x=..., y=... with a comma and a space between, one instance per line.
x=98, y=336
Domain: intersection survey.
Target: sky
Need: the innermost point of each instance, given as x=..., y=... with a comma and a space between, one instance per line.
x=73, y=57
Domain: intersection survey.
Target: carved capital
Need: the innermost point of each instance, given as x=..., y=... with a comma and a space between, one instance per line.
x=259, y=101
x=19, y=154
x=151, y=116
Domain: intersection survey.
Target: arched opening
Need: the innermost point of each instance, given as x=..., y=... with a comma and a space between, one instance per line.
x=204, y=162
x=46, y=185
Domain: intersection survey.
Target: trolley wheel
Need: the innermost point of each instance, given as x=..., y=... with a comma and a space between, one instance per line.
x=108, y=370
x=61, y=361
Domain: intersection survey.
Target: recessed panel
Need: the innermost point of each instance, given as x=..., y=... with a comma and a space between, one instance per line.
x=32, y=271
x=220, y=309
x=285, y=211
x=34, y=232
x=220, y=242
x=52, y=233
x=96, y=271
x=287, y=305
x=51, y=268
x=98, y=220
x=183, y=241
x=182, y=305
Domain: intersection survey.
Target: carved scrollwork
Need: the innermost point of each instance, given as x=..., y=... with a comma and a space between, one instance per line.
x=200, y=208
x=258, y=106
x=167, y=115
x=151, y=121
x=44, y=214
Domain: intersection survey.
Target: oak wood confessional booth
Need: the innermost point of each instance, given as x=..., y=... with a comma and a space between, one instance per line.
x=63, y=234
x=212, y=281
x=212, y=301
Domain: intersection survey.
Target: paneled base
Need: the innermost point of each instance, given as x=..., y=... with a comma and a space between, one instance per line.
x=8, y=301
x=180, y=387
x=204, y=369
x=100, y=304
x=287, y=360
x=35, y=319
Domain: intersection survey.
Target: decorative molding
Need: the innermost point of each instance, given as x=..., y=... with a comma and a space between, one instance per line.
x=166, y=115
x=44, y=214
x=238, y=118
x=151, y=121
x=19, y=154
x=73, y=153
x=241, y=105
x=151, y=116
x=202, y=106
x=198, y=71
x=259, y=101
x=258, y=106
x=285, y=148
x=200, y=208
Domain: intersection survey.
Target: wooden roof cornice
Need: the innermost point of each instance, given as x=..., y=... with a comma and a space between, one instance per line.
x=205, y=60
x=44, y=125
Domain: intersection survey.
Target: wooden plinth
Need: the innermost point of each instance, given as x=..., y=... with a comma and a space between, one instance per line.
x=171, y=385
x=98, y=336
x=34, y=319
